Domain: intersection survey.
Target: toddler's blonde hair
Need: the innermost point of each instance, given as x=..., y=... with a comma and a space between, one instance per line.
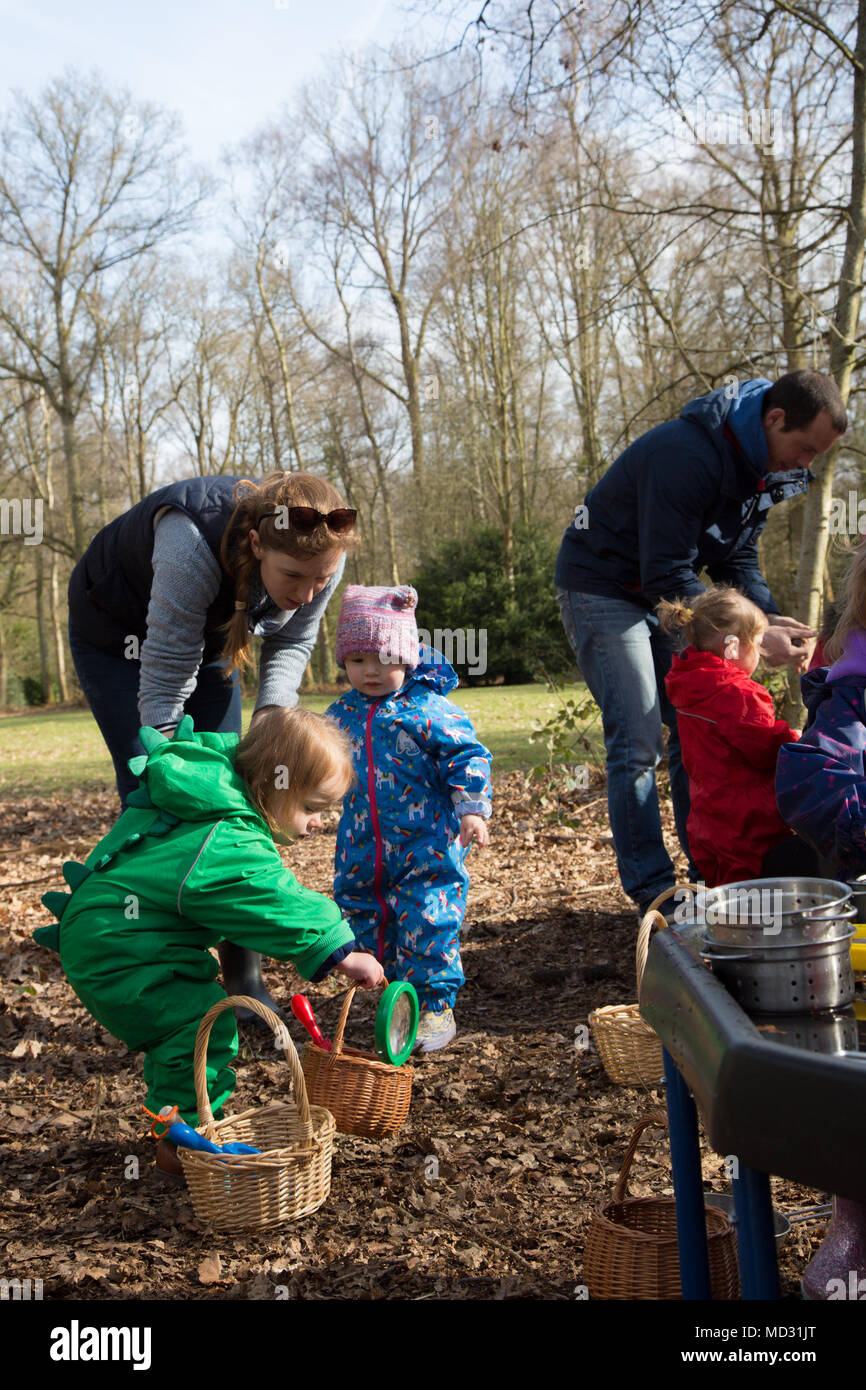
x=713, y=617
x=297, y=748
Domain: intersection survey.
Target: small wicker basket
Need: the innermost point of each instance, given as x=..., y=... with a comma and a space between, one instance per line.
x=631, y=1247
x=292, y=1175
x=629, y=1049
x=366, y=1097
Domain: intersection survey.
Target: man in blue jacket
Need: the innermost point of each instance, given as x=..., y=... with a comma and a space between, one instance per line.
x=689, y=495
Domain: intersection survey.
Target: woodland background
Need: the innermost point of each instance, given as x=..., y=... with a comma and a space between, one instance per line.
x=457, y=282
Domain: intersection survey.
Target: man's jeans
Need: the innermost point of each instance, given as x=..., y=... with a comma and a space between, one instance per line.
x=110, y=686
x=624, y=657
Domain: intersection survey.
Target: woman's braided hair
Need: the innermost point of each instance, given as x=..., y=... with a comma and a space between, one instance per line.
x=253, y=503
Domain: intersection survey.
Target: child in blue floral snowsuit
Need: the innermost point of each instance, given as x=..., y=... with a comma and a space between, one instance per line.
x=422, y=797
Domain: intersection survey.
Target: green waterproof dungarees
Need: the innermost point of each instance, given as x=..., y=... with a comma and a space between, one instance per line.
x=190, y=863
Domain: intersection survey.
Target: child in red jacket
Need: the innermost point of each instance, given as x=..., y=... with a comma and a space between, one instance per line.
x=730, y=737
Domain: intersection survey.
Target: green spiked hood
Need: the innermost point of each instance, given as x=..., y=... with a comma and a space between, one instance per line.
x=190, y=776
x=194, y=855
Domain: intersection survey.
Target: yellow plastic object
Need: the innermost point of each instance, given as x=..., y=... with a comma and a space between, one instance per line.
x=859, y=1008
x=858, y=948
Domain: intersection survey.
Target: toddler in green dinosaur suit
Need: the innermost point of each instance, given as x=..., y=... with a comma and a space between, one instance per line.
x=192, y=862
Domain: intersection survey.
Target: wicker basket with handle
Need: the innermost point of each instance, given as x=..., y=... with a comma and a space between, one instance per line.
x=629, y=1049
x=366, y=1097
x=631, y=1247
x=292, y=1175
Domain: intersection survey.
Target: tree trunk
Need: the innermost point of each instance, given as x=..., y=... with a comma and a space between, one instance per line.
x=328, y=669
x=57, y=629
x=813, y=553
x=74, y=484
x=103, y=435
x=285, y=377
x=42, y=629
x=57, y=635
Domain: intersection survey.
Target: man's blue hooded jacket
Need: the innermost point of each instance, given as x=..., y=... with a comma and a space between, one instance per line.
x=691, y=494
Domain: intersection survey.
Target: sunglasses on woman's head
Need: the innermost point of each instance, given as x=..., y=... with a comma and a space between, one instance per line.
x=306, y=519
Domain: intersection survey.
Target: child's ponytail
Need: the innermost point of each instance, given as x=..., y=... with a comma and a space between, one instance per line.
x=716, y=617
x=676, y=617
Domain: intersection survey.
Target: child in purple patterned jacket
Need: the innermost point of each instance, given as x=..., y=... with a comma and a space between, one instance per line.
x=821, y=780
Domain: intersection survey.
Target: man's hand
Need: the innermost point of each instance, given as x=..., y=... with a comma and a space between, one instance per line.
x=787, y=642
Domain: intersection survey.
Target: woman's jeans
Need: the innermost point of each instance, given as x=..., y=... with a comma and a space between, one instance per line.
x=110, y=686
x=624, y=657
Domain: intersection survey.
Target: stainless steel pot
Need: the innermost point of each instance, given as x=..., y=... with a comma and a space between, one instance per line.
x=725, y=1202
x=858, y=892
x=754, y=937
x=786, y=977
x=755, y=911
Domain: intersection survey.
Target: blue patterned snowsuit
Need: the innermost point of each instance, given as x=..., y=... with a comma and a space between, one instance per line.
x=399, y=874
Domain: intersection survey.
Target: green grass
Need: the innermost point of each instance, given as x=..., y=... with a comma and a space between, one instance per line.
x=44, y=752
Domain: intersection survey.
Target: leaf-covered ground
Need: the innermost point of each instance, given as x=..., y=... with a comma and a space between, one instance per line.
x=513, y=1138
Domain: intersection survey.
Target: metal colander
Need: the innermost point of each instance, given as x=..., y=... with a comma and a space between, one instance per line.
x=802, y=909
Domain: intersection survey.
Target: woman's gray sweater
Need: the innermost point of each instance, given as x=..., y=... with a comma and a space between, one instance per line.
x=186, y=579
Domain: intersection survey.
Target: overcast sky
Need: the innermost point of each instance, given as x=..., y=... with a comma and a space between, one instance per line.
x=224, y=65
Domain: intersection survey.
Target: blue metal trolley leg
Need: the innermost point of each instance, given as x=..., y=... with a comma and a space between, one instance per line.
x=756, y=1240
x=688, y=1186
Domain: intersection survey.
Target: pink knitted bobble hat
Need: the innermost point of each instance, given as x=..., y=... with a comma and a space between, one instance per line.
x=379, y=620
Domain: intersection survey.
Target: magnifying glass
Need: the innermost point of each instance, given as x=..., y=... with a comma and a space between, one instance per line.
x=396, y=1023
x=394, y=1030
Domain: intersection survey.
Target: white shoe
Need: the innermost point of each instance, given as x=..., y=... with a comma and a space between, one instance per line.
x=435, y=1031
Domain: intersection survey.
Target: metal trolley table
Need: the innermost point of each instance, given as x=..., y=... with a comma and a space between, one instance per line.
x=773, y=1106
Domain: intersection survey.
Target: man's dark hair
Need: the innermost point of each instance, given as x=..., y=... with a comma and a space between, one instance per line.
x=802, y=396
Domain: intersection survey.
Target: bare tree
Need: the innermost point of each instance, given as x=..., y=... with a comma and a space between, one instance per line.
x=89, y=182
x=212, y=373
x=381, y=186
x=787, y=143
x=267, y=164
x=135, y=393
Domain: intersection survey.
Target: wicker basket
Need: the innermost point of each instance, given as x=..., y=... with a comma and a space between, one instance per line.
x=365, y=1096
x=630, y=1051
x=631, y=1248
x=291, y=1177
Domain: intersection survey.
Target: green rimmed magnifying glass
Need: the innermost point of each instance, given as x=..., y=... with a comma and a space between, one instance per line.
x=396, y=1023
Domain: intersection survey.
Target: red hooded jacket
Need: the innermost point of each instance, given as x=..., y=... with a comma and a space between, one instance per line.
x=730, y=739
